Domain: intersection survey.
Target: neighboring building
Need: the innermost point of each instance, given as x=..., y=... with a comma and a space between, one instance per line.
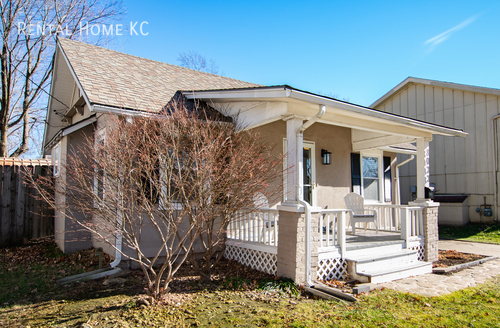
x=458, y=166
x=361, y=143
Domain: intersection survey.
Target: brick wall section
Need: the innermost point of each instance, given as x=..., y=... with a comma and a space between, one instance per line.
x=430, y=213
x=291, y=246
x=314, y=245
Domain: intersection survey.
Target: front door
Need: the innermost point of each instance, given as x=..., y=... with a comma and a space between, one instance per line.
x=308, y=173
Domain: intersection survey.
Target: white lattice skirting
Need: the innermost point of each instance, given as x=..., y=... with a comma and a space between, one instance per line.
x=332, y=268
x=420, y=252
x=258, y=260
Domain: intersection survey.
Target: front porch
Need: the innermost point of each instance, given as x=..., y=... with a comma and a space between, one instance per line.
x=332, y=148
x=256, y=239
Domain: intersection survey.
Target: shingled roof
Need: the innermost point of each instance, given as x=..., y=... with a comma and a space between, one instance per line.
x=119, y=80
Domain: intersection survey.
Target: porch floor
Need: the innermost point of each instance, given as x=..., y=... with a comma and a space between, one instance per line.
x=369, y=238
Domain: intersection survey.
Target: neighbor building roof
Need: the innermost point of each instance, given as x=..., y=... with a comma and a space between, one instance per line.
x=411, y=80
x=119, y=80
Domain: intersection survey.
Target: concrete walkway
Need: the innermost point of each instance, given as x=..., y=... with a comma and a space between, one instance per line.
x=434, y=285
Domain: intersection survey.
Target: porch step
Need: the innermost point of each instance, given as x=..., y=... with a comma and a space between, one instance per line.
x=386, y=266
x=390, y=274
x=387, y=260
x=355, y=250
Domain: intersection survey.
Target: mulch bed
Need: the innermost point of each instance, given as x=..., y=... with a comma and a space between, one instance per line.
x=451, y=258
x=227, y=274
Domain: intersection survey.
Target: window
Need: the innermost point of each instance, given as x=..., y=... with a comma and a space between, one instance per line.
x=371, y=179
x=57, y=159
x=371, y=176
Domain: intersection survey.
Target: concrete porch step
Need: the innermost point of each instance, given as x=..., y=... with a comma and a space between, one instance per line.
x=394, y=273
x=371, y=262
x=373, y=249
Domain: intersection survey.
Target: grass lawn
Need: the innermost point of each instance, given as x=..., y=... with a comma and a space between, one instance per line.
x=229, y=302
x=472, y=232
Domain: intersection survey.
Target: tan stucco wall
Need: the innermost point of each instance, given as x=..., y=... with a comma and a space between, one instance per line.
x=333, y=181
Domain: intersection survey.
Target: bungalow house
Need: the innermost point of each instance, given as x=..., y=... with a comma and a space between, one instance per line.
x=337, y=148
x=464, y=172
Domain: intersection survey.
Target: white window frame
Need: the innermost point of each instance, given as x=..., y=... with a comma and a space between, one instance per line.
x=57, y=159
x=380, y=157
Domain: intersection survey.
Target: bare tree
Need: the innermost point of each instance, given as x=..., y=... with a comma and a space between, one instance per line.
x=28, y=30
x=161, y=184
x=194, y=60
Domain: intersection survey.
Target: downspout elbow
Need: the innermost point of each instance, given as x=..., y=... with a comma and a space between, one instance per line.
x=118, y=254
x=322, y=111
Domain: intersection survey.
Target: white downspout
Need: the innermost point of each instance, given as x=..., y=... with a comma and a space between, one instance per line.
x=118, y=254
x=398, y=193
x=118, y=244
x=494, y=159
x=307, y=207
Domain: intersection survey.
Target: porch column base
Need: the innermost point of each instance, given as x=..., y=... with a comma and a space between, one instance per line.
x=292, y=245
x=431, y=233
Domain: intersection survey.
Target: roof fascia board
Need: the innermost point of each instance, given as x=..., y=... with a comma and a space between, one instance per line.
x=49, y=106
x=388, y=94
x=377, y=114
x=55, y=139
x=120, y=111
x=79, y=125
x=70, y=129
x=287, y=92
x=398, y=150
x=66, y=59
x=277, y=92
x=448, y=85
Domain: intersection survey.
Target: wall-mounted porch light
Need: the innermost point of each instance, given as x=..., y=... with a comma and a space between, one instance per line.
x=325, y=154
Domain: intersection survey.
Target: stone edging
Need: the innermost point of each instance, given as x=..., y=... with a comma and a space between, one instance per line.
x=462, y=266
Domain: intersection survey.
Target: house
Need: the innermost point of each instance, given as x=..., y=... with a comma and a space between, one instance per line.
x=337, y=147
x=463, y=171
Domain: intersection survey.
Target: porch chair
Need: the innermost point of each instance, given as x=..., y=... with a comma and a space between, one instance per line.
x=357, y=212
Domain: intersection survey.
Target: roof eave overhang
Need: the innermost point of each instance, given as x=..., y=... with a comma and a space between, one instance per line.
x=284, y=92
x=70, y=129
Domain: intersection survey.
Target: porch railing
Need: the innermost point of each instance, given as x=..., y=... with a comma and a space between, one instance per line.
x=406, y=219
x=332, y=226
x=393, y=217
x=257, y=227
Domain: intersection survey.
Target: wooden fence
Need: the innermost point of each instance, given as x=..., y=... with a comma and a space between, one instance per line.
x=22, y=215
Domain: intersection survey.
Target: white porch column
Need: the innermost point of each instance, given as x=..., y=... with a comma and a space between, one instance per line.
x=294, y=159
x=430, y=208
x=423, y=172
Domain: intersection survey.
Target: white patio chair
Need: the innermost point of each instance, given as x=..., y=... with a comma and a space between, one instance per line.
x=356, y=205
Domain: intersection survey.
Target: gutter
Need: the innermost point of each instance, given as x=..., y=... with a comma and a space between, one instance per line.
x=307, y=206
x=286, y=91
x=121, y=111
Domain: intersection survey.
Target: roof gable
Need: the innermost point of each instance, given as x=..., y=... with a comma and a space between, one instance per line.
x=119, y=80
x=414, y=80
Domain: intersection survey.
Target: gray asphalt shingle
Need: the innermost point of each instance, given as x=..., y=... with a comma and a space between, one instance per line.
x=116, y=79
